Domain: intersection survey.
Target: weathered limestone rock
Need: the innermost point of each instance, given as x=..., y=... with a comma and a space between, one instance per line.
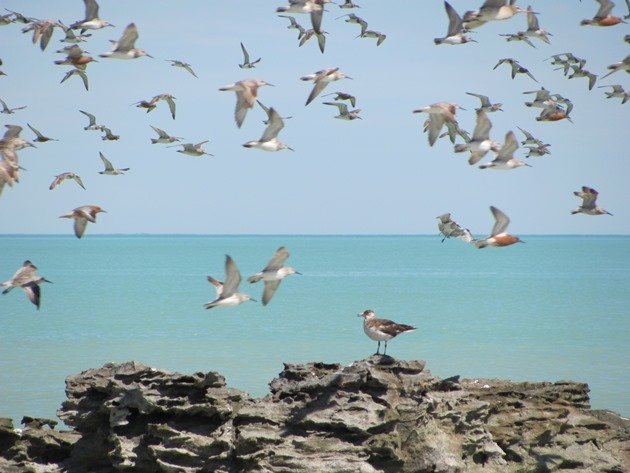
x=376, y=415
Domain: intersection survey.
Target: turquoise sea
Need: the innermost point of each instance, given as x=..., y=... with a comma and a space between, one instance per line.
x=554, y=308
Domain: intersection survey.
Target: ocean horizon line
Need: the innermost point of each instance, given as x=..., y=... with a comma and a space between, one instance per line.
x=271, y=235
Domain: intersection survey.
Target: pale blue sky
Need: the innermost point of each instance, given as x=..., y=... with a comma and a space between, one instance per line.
x=376, y=175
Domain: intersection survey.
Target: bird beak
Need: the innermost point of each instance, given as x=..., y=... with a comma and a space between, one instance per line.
x=288, y=147
x=297, y=272
x=148, y=55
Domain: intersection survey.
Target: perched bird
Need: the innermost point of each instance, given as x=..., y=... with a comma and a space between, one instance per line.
x=380, y=37
x=110, y=170
x=344, y=113
x=183, y=65
x=480, y=143
x=247, y=64
x=617, y=91
x=619, y=66
x=151, y=104
x=382, y=329
x=486, y=106
x=125, y=48
x=82, y=215
x=269, y=140
x=246, y=93
x=27, y=278
x=92, y=124
x=163, y=137
x=7, y=110
x=91, y=20
x=39, y=137
x=228, y=294
x=603, y=16
x=273, y=274
x=77, y=72
x=589, y=202
x=516, y=67
x=451, y=229
x=498, y=237
x=193, y=149
x=294, y=25
x=64, y=176
x=455, y=32
x=343, y=96
x=439, y=113
x=268, y=112
x=505, y=159
x=321, y=79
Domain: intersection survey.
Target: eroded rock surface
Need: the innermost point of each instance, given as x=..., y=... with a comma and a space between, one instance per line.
x=376, y=415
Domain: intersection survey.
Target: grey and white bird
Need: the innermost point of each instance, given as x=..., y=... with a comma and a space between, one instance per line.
x=516, y=67
x=108, y=136
x=486, y=105
x=344, y=113
x=163, y=137
x=26, y=278
x=529, y=138
x=269, y=140
x=92, y=125
x=65, y=176
x=149, y=105
x=227, y=293
x=455, y=32
x=439, y=114
x=623, y=65
x=294, y=25
x=191, y=149
x=76, y=72
x=505, y=160
x=247, y=64
x=125, y=47
x=91, y=20
x=81, y=216
x=589, y=202
x=246, y=94
x=449, y=228
x=110, y=170
x=480, y=143
x=617, y=91
x=273, y=274
x=343, y=96
x=7, y=110
x=40, y=138
x=268, y=112
x=321, y=79
x=183, y=65
x=382, y=329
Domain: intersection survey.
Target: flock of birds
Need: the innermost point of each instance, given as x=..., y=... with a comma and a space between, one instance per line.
x=554, y=107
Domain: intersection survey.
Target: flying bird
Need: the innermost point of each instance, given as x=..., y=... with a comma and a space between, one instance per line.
x=246, y=93
x=505, y=159
x=64, y=176
x=269, y=140
x=455, y=32
x=7, y=110
x=81, y=216
x=486, y=106
x=321, y=79
x=151, y=104
x=125, y=48
x=183, y=65
x=516, y=67
x=344, y=113
x=382, y=329
x=480, y=143
x=499, y=236
x=451, y=229
x=193, y=149
x=603, y=17
x=40, y=137
x=227, y=293
x=163, y=137
x=589, y=202
x=91, y=20
x=247, y=64
x=27, y=278
x=273, y=274
x=92, y=122
x=110, y=170
x=76, y=72
x=439, y=113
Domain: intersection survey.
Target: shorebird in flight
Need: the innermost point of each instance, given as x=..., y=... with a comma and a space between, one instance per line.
x=294, y=25
x=321, y=79
x=480, y=143
x=619, y=66
x=151, y=104
x=64, y=176
x=344, y=113
x=499, y=236
x=92, y=124
x=193, y=149
x=603, y=17
x=451, y=229
x=40, y=137
x=516, y=67
x=382, y=329
x=91, y=20
x=7, y=110
x=76, y=72
x=247, y=64
x=227, y=292
x=486, y=106
x=273, y=274
x=455, y=32
x=439, y=113
x=491, y=10
x=183, y=65
x=505, y=160
x=110, y=170
x=343, y=96
x=125, y=48
x=81, y=216
x=27, y=278
x=617, y=91
x=589, y=202
x=246, y=93
x=163, y=137
x=269, y=140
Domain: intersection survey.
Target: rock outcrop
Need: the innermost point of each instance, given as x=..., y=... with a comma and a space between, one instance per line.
x=376, y=415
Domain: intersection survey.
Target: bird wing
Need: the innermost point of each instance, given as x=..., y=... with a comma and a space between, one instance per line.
x=605, y=8
x=273, y=128
x=317, y=88
x=77, y=179
x=435, y=125
x=57, y=180
x=532, y=20
x=33, y=292
x=509, y=146
x=39, y=135
x=232, y=277
x=128, y=38
x=343, y=108
x=270, y=290
x=501, y=221
x=171, y=104
x=245, y=54
x=454, y=20
x=161, y=133
x=79, y=226
x=106, y=162
x=482, y=127
x=589, y=196
x=218, y=285
x=278, y=259
x=91, y=117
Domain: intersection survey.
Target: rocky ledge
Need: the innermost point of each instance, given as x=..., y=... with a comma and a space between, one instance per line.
x=376, y=415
